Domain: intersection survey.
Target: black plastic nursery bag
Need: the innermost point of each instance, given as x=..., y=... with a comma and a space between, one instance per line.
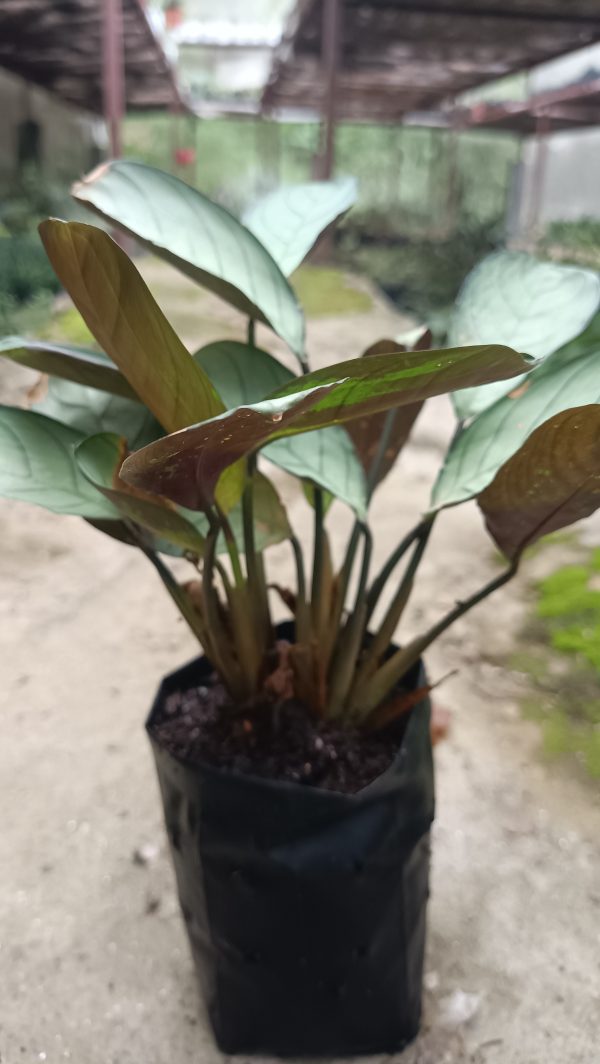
x=305, y=908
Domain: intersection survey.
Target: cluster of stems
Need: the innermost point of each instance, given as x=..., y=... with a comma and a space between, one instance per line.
x=342, y=664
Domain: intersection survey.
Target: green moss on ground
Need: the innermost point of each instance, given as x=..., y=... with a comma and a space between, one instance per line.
x=562, y=660
x=326, y=292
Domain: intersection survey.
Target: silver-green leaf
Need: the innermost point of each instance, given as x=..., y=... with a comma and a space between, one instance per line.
x=199, y=237
x=327, y=458
x=245, y=375
x=565, y=380
x=92, y=411
x=241, y=373
x=37, y=465
x=289, y=221
x=514, y=299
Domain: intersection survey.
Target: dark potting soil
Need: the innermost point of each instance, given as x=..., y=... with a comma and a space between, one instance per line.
x=200, y=726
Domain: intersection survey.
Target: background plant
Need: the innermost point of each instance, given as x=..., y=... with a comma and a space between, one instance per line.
x=577, y=241
x=27, y=280
x=165, y=451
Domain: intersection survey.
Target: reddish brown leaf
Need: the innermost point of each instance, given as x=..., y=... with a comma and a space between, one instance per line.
x=552, y=481
x=393, y=709
x=390, y=711
x=187, y=465
x=128, y=324
x=365, y=432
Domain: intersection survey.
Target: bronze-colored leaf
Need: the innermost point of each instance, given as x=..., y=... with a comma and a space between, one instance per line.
x=79, y=364
x=366, y=432
x=125, y=319
x=130, y=327
x=100, y=458
x=552, y=481
x=187, y=465
x=171, y=529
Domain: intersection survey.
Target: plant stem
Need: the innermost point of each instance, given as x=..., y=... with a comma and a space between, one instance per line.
x=392, y=671
x=346, y=570
x=179, y=596
x=352, y=635
x=385, y=633
x=467, y=604
x=331, y=636
x=304, y=364
x=220, y=569
x=256, y=583
x=224, y=576
x=364, y=569
x=372, y=478
x=302, y=611
x=234, y=677
x=299, y=559
x=318, y=552
x=232, y=550
x=383, y=576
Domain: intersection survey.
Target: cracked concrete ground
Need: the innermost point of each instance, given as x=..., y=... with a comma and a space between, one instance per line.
x=94, y=966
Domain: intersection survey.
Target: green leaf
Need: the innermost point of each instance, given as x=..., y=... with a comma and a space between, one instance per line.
x=92, y=411
x=328, y=459
x=289, y=221
x=80, y=364
x=309, y=492
x=99, y=459
x=241, y=373
x=565, y=380
x=271, y=525
x=245, y=375
x=552, y=481
x=37, y=466
x=187, y=465
x=586, y=343
x=200, y=238
x=512, y=298
x=123, y=316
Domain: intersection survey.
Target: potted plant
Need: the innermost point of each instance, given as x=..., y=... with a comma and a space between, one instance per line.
x=295, y=759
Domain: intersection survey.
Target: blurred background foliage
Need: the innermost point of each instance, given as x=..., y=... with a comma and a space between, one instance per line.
x=561, y=658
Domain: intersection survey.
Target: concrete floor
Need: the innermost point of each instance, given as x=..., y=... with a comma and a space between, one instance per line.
x=94, y=966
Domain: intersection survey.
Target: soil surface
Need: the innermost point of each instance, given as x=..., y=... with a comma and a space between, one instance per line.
x=201, y=726
x=94, y=963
